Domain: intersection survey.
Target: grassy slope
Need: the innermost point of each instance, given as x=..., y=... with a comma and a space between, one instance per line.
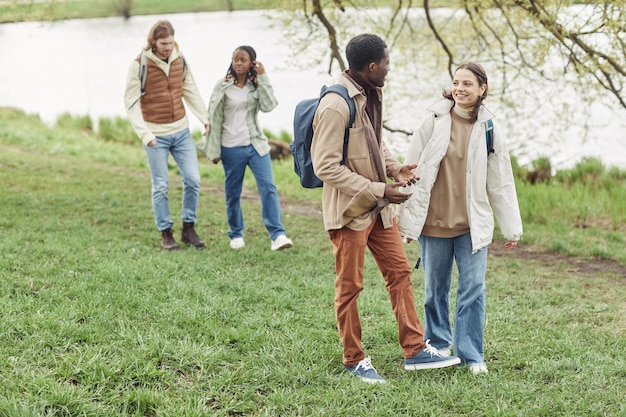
x=76, y=9
x=97, y=321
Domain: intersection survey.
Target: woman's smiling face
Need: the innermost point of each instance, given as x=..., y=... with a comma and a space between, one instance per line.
x=465, y=89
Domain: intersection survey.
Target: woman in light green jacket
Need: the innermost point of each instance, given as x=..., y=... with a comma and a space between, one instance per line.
x=236, y=139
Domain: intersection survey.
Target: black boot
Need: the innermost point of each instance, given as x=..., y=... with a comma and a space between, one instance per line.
x=189, y=235
x=168, y=241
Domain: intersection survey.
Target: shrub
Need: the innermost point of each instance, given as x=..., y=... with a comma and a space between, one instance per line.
x=589, y=170
x=117, y=130
x=283, y=136
x=542, y=171
x=82, y=123
x=586, y=171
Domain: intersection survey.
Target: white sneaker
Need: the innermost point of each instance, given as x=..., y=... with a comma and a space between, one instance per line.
x=237, y=243
x=281, y=242
x=478, y=369
x=445, y=352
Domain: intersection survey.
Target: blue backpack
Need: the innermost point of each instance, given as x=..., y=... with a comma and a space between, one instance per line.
x=303, y=134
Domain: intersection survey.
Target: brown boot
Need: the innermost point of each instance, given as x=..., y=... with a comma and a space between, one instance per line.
x=189, y=235
x=168, y=242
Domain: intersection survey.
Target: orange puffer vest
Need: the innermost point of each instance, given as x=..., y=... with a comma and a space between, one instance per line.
x=163, y=98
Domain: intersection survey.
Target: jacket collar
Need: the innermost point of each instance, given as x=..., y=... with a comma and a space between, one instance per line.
x=443, y=107
x=354, y=88
x=173, y=56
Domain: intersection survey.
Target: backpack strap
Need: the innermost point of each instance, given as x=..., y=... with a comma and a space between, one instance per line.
x=489, y=136
x=143, y=72
x=182, y=57
x=343, y=92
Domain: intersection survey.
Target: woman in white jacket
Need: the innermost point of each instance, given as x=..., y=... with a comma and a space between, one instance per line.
x=451, y=212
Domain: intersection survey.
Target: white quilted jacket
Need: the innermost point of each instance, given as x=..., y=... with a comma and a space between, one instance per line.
x=490, y=187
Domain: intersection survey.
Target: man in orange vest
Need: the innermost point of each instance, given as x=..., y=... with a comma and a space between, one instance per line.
x=158, y=81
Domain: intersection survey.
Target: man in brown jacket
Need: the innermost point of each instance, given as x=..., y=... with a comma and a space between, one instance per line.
x=157, y=114
x=357, y=213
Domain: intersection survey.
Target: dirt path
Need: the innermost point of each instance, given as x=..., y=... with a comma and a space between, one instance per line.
x=523, y=252
x=574, y=264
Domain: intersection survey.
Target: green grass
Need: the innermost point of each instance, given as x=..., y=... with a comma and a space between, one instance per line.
x=76, y=9
x=17, y=11
x=32, y=10
x=98, y=321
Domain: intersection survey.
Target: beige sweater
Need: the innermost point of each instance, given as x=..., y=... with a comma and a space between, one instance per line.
x=447, y=211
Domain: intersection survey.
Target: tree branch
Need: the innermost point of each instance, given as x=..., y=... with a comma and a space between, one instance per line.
x=332, y=34
x=562, y=35
x=439, y=38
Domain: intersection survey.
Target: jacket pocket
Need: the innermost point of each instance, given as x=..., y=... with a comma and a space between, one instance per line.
x=357, y=145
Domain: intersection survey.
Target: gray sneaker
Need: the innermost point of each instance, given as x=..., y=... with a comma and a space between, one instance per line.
x=366, y=372
x=429, y=358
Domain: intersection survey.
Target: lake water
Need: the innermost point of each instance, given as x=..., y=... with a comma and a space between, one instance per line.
x=80, y=67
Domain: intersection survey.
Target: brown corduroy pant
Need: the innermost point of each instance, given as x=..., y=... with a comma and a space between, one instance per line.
x=387, y=249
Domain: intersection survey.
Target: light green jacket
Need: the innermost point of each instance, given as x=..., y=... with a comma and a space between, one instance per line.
x=260, y=98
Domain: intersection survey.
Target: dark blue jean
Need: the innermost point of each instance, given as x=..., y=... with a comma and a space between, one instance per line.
x=235, y=160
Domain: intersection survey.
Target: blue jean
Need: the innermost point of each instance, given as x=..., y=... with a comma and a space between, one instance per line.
x=438, y=255
x=183, y=149
x=235, y=160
